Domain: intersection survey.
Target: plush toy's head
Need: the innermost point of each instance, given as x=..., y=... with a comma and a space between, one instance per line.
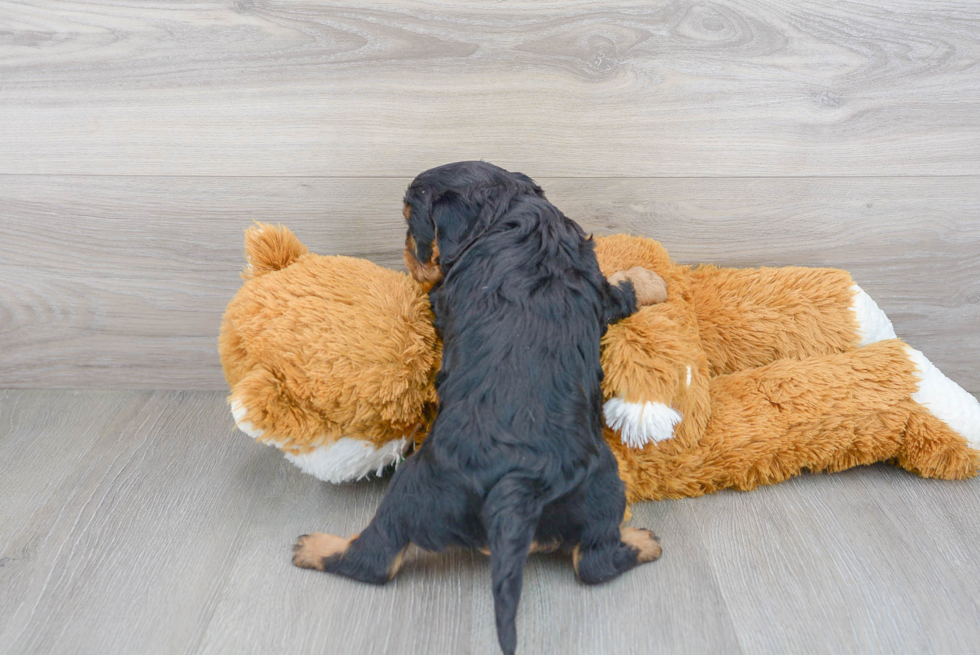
x=330, y=359
x=333, y=359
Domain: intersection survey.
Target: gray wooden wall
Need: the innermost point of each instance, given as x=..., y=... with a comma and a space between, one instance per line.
x=138, y=141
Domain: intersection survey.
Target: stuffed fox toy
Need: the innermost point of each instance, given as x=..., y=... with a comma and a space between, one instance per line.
x=741, y=377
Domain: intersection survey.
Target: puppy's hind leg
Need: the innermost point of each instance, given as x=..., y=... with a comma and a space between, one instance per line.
x=604, y=550
x=376, y=554
x=373, y=556
x=611, y=554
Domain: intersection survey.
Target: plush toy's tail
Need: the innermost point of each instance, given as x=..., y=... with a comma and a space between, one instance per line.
x=270, y=248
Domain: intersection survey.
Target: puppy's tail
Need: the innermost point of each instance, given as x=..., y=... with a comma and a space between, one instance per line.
x=510, y=515
x=270, y=248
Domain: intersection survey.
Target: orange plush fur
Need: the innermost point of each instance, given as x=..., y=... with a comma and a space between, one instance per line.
x=778, y=383
x=762, y=370
x=318, y=348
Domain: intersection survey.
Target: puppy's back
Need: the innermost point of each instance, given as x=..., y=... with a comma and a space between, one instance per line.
x=521, y=314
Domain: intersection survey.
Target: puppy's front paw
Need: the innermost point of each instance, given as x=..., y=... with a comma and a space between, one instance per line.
x=310, y=550
x=650, y=288
x=644, y=542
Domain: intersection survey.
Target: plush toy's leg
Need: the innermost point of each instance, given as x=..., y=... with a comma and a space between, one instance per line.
x=824, y=413
x=767, y=424
x=753, y=317
x=942, y=438
x=872, y=323
x=348, y=459
x=933, y=450
x=652, y=388
x=745, y=319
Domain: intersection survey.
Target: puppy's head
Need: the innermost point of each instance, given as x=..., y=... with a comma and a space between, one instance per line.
x=449, y=207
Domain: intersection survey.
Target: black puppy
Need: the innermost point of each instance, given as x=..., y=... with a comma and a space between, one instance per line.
x=515, y=459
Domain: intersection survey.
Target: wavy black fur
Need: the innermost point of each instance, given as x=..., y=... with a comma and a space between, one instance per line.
x=516, y=453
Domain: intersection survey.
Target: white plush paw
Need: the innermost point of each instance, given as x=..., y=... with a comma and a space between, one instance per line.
x=947, y=401
x=873, y=324
x=238, y=412
x=641, y=423
x=343, y=460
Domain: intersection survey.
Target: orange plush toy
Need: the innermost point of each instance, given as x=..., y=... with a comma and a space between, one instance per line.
x=741, y=377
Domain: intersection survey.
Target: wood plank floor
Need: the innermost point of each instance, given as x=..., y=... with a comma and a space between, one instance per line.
x=142, y=522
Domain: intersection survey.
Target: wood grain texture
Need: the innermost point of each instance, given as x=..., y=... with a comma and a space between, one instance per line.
x=130, y=549
x=43, y=438
x=845, y=555
x=142, y=522
x=120, y=282
x=622, y=88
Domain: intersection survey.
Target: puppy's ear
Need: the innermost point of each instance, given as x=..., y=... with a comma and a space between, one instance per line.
x=455, y=218
x=421, y=228
x=454, y=207
x=440, y=216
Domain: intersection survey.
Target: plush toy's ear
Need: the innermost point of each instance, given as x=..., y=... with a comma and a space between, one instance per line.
x=270, y=248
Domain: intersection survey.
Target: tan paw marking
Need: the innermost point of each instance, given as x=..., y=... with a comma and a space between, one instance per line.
x=397, y=563
x=535, y=548
x=548, y=547
x=644, y=542
x=311, y=549
x=650, y=288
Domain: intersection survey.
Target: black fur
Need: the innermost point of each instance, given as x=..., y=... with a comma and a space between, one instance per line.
x=516, y=452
